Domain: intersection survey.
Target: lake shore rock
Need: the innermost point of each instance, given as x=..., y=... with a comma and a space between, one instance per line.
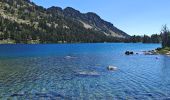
x=158, y=51
x=150, y=52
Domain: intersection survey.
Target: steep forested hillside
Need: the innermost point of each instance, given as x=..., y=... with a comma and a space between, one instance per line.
x=24, y=22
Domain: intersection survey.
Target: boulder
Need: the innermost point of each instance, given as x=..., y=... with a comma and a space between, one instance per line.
x=112, y=68
x=129, y=52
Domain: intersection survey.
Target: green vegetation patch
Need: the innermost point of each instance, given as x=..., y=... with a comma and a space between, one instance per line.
x=8, y=41
x=165, y=50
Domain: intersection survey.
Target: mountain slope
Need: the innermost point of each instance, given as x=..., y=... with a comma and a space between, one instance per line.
x=25, y=22
x=90, y=20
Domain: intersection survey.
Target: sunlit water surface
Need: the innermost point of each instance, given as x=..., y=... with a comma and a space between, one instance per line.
x=79, y=72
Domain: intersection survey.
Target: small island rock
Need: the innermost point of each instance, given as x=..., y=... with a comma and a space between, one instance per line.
x=129, y=52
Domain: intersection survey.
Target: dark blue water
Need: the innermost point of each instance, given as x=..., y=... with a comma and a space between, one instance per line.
x=79, y=72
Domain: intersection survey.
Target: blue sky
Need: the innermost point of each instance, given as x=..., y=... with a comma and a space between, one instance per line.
x=132, y=16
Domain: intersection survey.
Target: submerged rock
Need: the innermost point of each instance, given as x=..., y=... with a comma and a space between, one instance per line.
x=112, y=68
x=17, y=94
x=45, y=95
x=69, y=57
x=87, y=73
x=54, y=94
x=50, y=94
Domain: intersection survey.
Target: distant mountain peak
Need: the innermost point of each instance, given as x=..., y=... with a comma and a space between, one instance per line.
x=55, y=8
x=92, y=14
x=93, y=21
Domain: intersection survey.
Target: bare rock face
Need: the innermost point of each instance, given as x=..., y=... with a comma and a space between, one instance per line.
x=95, y=21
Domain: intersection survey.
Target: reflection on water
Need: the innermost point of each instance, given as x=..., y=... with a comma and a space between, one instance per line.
x=60, y=73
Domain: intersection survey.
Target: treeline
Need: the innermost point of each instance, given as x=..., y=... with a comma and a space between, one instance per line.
x=155, y=38
x=35, y=23
x=23, y=33
x=163, y=37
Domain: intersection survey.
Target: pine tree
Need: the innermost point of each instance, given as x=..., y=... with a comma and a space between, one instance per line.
x=165, y=33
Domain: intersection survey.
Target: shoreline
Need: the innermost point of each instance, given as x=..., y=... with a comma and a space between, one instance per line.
x=158, y=51
x=9, y=41
x=164, y=51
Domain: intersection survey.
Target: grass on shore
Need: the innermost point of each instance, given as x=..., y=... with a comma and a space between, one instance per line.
x=8, y=41
x=165, y=50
